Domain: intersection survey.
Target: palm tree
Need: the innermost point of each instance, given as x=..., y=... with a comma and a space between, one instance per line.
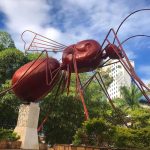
x=131, y=95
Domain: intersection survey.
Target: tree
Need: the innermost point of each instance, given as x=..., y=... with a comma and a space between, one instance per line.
x=65, y=117
x=6, y=41
x=98, y=132
x=93, y=91
x=34, y=56
x=131, y=96
x=132, y=138
x=9, y=106
x=95, y=132
x=66, y=113
x=139, y=117
x=10, y=60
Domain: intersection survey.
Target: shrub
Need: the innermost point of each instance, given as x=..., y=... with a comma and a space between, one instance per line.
x=7, y=134
x=123, y=137
x=132, y=138
x=96, y=132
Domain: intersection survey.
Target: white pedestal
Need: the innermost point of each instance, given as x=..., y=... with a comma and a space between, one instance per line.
x=27, y=126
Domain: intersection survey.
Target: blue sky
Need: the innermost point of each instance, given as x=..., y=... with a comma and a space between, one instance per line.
x=69, y=21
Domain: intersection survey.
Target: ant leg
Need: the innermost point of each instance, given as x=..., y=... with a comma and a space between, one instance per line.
x=108, y=64
x=105, y=41
x=50, y=72
x=79, y=89
x=136, y=82
x=64, y=82
x=106, y=38
x=48, y=112
x=129, y=68
x=101, y=65
x=102, y=84
x=24, y=74
x=86, y=84
x=127, y=63
x=68, y=79
x=103, y=87
x=29, y=71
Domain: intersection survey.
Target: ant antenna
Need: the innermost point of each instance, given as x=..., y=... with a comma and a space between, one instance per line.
x=139, y=35
x=127, y=18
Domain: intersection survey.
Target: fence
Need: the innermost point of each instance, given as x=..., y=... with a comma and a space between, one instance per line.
x=71, y=147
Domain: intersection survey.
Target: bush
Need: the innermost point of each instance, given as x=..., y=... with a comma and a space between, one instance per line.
x=65, y=117
x=6, y=134
x=132, y=138
x=96, y=132
x=123, y=137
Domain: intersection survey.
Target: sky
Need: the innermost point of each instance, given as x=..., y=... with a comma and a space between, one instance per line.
x=69, y=21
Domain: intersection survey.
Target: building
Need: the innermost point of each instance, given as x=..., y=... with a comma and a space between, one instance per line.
x=120, y=78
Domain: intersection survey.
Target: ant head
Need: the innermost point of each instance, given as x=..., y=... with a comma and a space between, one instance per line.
x=113, y=51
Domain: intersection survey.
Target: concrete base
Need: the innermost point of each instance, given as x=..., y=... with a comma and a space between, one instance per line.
x=27, y=126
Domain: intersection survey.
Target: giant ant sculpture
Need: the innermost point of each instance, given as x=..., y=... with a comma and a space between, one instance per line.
x=36, y=79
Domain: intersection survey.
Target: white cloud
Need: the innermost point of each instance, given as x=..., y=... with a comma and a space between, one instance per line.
x=78, y=20
x=146, y=81
x=107, y=14
x=28, y=15
x=38, y=15
x=25, y=14
x=131, y=54
x=145, y=69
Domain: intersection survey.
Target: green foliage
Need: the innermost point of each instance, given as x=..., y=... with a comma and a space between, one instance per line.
x=6, y=41
x=106, y=77
x=34, y=56
x=96, y=132
x=9, y=105
x=131, y=96
x=124, y=137
x=7, y=134
x=2, y=47
x=132, y=138
x=66, y=112
x=65, y=117
x=99, y=108
x=94, y=91
x=10, y=60
x=102, y=109
x=13, y=137
x=139, y=118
